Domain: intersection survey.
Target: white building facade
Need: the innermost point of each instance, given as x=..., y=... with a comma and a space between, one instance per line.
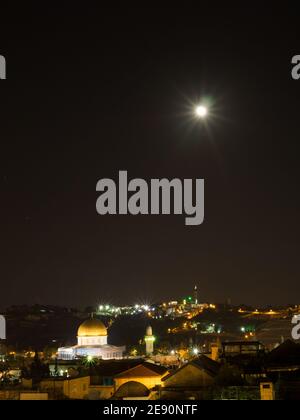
x=91, y=342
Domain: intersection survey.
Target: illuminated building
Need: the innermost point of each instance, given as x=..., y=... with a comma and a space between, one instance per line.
x=147, y=374
x=91, y=342
x=149, y=340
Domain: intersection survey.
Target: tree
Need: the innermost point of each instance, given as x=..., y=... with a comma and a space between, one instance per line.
x=38, y=370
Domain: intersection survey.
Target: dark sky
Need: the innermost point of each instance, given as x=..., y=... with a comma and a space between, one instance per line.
x=91, y=91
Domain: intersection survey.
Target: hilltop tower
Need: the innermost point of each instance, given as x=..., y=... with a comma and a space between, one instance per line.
x=195, y=295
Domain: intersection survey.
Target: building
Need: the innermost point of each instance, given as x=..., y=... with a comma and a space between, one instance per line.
x=102, y=381
x=147, y=374
x=125, y=378
x=267, y=391
x=91, y=342
x=235, y=348
x=284, y=359
x=191, y=380
x=72, y=388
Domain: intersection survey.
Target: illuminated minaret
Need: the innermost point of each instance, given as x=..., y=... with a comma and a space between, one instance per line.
x=149, y=340
x=196, y=295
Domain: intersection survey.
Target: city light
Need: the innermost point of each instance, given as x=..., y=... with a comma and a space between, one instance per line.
x=201, y=111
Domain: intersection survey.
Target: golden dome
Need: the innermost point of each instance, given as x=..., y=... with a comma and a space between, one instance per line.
x=92, y=328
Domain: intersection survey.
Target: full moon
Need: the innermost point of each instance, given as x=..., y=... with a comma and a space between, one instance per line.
x=201, y=111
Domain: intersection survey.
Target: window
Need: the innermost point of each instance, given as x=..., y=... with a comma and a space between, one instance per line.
x=108, y=381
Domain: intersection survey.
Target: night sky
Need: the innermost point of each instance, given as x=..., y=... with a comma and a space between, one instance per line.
x=91, y=91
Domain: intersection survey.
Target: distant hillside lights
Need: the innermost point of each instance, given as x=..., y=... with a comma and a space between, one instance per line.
x=114, y=201
x=2, y=67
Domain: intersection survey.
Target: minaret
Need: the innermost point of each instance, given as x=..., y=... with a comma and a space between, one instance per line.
x=149, y=340
x=195, y=295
